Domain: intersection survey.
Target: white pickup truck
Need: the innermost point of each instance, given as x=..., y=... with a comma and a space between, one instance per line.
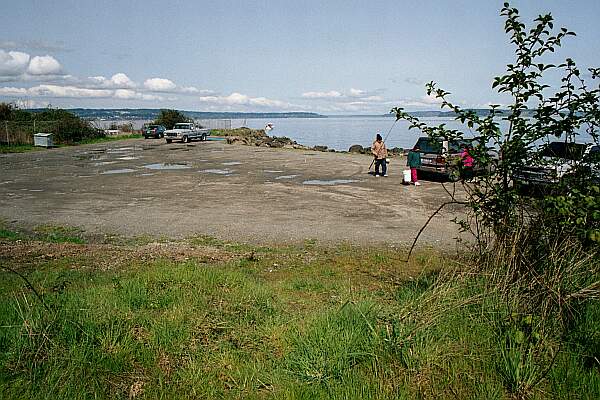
x=186, y=131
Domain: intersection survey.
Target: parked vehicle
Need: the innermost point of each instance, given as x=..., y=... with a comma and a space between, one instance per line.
x=155, y=131
x=443, y=156
x=556, y=161
x=186, y=132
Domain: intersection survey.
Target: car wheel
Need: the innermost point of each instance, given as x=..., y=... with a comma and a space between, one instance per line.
x=185, y=139
x=169, y=140
x=453, y=175
x=203, y=137
x=145, y=137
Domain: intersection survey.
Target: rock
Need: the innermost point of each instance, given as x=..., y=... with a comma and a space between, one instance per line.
x=356, y=148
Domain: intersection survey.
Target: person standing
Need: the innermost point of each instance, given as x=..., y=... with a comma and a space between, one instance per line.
x=414, y=161
x=379, y=151
x=467, y=164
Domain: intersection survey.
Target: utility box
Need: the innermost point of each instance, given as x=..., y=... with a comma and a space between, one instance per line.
x=43, y=140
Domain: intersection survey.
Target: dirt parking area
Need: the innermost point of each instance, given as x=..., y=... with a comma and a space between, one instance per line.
x=232, y=192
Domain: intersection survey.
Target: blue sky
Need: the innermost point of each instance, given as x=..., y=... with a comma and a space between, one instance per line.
x=332, y=57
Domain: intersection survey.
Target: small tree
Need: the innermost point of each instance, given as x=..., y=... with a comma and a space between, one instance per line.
x=493, y=200
x=539, y=254
x=168, y=118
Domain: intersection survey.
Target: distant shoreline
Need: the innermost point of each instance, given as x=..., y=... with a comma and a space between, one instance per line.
x=117, y=114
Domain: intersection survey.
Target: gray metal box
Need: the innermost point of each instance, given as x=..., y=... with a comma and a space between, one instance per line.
x=43, y=139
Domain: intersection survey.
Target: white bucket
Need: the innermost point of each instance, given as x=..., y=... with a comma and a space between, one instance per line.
x=406, y=176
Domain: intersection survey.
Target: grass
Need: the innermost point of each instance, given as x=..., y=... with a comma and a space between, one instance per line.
x=18, y=148
x=288, y=322
x=22, y=148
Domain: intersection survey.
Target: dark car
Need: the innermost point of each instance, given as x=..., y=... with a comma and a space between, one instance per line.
x=442, y=156
x=154, y=131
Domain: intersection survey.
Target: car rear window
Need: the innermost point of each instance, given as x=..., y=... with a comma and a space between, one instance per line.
x=567, y=151
x=456, y=146
x=427, y=145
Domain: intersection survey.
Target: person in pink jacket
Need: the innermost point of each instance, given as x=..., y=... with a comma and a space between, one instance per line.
x=467, y=164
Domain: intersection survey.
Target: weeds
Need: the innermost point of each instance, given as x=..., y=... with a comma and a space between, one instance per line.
x=325, y=323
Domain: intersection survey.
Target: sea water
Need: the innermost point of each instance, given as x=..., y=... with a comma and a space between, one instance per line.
x=340, y=133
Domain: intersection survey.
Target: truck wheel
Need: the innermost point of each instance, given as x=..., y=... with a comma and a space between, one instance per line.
x=185, y=139
x=169, y=140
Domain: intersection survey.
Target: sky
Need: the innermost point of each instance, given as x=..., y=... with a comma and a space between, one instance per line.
x=330, y=57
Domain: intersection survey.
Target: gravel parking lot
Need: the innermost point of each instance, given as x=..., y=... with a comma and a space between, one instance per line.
x=233, y=192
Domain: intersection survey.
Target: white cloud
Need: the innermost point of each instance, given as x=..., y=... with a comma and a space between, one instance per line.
x=13, y=63
x=238, y=99
x=128, y=94
x=13, y=91
x=44, y=65
x=122, y=80
x=430, y=99
x=159, y=85
x=194, y=90
x=357, y=92
x=67, y=91
x=322, y=95
x=117, y=81
x=58, y=91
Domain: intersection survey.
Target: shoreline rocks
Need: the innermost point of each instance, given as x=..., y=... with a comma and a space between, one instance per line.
x=258, y=137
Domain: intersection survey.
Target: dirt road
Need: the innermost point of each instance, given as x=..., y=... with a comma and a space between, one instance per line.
x=233, y=192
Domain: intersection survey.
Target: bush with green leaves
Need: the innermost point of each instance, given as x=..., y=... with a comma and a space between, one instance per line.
x=168, y=118
x=66, y=126
x=538, y=113
x=538, y=254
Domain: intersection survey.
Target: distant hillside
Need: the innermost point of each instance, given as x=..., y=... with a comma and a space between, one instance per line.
x=152, y=113
x=449, y=114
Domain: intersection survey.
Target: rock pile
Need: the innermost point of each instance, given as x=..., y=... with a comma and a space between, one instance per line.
x=357, y=148
x=258, y=137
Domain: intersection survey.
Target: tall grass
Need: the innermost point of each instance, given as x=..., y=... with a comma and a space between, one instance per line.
x=300, y=322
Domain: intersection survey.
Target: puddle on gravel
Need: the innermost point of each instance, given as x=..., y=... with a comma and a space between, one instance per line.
x=127, y=158
x=286, y=177
x=232, y=163
x=99, y=164
x=122, y=149
x=167, y=166
x=273, y=171
x=217, y=171
x=320, y=182
x=118, y=171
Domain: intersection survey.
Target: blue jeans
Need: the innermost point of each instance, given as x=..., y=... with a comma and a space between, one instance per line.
x=383, y=166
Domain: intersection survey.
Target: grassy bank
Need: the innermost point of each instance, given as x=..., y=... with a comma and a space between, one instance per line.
x=18, y=148
x=22, y=148
x=208, y=319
